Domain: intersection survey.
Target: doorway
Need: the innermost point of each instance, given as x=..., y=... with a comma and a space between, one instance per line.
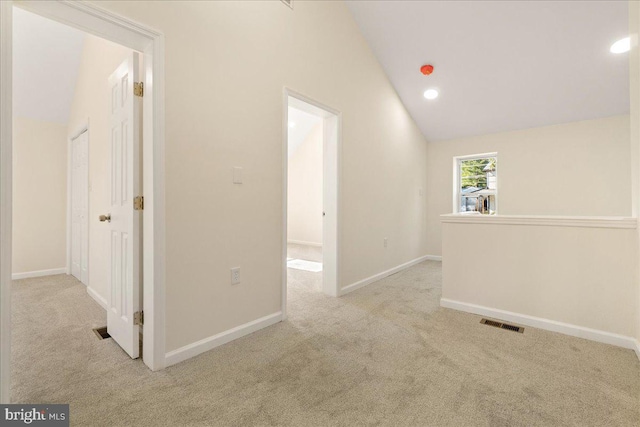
x=85, y=74
x=93, y=20
x=311, y=208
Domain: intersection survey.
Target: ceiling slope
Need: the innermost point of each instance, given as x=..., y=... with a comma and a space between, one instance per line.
x=502, y=65
x=46, y=60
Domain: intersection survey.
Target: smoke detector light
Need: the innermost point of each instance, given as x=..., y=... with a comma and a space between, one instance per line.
x=431, y=94
x=621, y=46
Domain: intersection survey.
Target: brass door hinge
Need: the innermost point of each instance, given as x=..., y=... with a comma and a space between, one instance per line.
x=138, y=89
x=138, y=203
x=138, y=318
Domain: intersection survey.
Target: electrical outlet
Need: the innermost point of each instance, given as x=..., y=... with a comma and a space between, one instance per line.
x=235, y=276
x=384, y=242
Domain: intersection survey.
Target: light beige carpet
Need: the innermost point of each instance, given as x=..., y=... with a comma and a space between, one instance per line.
x=383, y=355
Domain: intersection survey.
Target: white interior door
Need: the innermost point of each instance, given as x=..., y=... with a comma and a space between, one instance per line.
x=124, y=223
x=80, y=207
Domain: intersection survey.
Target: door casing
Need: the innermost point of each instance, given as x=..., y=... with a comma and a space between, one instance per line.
x=331, y=146
x=103, y=23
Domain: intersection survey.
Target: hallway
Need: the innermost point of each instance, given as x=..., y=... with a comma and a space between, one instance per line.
x=384, y=354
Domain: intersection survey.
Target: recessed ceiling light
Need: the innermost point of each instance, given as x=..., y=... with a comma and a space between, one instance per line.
x=292, y=124
x=431, y=94
x=621, y=46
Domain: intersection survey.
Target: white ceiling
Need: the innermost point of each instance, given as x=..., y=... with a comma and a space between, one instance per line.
x=300, y=126
x=500, y=65
x=46, y=57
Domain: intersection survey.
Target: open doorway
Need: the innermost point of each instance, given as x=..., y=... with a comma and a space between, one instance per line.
x=92, y=20
x=311, y=196
x=76, y=174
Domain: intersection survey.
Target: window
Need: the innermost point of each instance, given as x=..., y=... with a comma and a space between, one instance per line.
x=476, y=186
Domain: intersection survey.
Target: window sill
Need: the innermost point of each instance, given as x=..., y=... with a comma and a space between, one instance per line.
x=540, y=220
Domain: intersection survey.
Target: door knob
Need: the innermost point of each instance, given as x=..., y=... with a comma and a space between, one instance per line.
x=106, y=217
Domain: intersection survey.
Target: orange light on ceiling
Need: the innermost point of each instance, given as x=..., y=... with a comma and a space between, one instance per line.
x=426, y=69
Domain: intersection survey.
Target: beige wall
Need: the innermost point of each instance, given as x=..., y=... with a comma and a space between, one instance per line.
x=39, y=195
x=634, y=97
x=226, y=66
x=580, y=276
x=573, y=169
x=305, y=190
x=90, y=104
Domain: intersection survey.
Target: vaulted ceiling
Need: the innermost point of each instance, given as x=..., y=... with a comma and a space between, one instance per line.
x=500, y=65
x=46, y=58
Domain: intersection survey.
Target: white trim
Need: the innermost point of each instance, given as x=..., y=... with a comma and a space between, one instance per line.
x=540, y=323
x=380, y=276
x=433, y=257
x=549, y=221
x=206, y=344
x=93, y=294
x=300, y=242
x=637, y=349
x=39, y=273
x=93, y=19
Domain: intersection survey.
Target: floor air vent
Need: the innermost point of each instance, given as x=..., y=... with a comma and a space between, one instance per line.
x=501, y=325
x=102, y=333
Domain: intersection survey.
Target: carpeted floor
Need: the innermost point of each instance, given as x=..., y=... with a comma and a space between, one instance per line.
x=383, y=355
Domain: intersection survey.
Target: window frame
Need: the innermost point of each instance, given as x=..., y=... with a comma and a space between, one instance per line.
x=457, y=179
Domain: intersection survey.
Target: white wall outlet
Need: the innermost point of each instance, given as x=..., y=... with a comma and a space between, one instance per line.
x=235, y=275
x=237, y=175
x=384, y=242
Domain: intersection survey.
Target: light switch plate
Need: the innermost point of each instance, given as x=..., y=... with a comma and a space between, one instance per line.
x=235, y=275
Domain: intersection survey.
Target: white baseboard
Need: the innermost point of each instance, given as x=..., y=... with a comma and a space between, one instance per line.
x=433, y=257
x=637, y=349
x=546, y=324
x=300, y=242
x=93, y=294
x=380, y=276
x=206, y=344
x=40, y=273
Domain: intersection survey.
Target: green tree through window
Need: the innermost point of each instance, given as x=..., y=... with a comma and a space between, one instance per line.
x=473, y=172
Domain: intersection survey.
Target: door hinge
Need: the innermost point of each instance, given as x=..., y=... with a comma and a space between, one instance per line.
x=138, y=89
x=138, y=203
x=138, y=318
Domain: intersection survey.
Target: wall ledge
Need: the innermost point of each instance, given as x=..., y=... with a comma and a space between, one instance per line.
x=539, y=220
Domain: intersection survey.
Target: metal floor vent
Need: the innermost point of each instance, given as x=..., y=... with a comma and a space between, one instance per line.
x=501, y=325
x=102, y=333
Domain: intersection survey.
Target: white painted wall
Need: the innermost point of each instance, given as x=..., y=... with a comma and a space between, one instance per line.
x=575, y=169
x=39, y=195
x=634, y=87
x=576, y=275
x=305, y=190
x=226, y=66
x=90, y=103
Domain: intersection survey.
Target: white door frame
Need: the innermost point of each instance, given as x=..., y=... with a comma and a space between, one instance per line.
x=331, y=147
x=76, y=134
x=100, y=22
